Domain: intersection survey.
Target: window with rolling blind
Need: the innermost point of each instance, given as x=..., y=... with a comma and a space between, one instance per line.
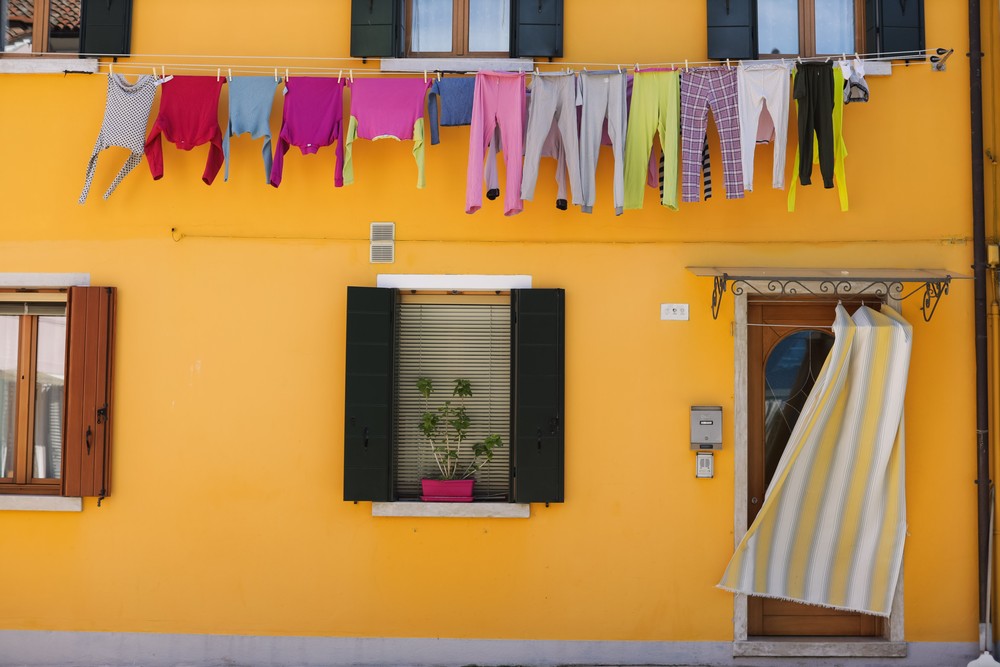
x=55, y=388
x=511, y=350
x=445, y=338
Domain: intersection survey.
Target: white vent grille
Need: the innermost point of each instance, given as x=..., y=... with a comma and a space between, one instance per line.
x=383, y=245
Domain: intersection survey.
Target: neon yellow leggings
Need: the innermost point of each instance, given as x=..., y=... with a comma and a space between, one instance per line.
x=839, y=147
x=655, y=108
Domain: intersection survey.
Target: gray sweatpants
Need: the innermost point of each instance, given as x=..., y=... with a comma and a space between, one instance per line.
x=603, y=95
x=553, y=102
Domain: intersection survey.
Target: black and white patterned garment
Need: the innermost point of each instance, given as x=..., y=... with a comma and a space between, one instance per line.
x=706, y=171
x=125, y=117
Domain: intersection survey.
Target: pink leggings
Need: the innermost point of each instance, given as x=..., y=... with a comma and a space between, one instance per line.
x=498, y=101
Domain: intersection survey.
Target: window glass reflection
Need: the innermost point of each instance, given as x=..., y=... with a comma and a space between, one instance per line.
x=64, y=26
x=49, y=376
x=778, y=26
x=834, y=26
x=432, y=26
x=18, y=23
x=789, y=376
x=9, y=331
x=489, y=25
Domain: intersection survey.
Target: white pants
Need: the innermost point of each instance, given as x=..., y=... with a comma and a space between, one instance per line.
x=755, y=84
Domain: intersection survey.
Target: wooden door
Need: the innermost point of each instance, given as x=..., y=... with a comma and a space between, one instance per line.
x=787, y=343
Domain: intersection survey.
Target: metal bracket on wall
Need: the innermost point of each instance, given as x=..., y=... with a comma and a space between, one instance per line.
x=931, y=285
x=939, y=59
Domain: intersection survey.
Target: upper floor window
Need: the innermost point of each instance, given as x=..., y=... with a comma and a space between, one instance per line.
x=458, y=27
x=749, y=29
x=41, y=26
x=91, y=27
x=809, y=27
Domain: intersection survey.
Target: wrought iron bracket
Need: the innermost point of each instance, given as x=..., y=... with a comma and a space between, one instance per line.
x=930, y=291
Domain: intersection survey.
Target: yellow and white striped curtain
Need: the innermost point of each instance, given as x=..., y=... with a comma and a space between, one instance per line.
x=833, y=522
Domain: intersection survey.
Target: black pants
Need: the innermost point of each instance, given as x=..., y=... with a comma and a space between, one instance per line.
x=814, y=93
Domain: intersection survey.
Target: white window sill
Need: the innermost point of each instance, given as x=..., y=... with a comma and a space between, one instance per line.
x=456, y=64
x=40, y=504
x=822, y=647
x=48, y=65
x=457, y=510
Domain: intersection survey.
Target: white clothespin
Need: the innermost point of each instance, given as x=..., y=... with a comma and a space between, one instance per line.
x=438, y=75
x=859, y=65
x=286, y=74
x=339, y=74
x=111, y=67
x=275, y=74
x=619, y=69
x=637, y=67
x=155, y=75
x=163, y=71
x=685, y=65
x=218, y=74
x=230, y=77
x=350, y=74
x=425, y=76
x=727, y=62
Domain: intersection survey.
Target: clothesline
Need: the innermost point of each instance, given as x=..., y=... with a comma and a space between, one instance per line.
x=226, y=63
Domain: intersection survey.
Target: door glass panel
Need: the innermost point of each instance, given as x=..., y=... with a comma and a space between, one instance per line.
x=431, y=31
x=64, y=26
x=49, y=375
x=489, y=25
x=778, y=26
x=834, y=26
x=18, y=25
x=789, y=376
x=9, y=331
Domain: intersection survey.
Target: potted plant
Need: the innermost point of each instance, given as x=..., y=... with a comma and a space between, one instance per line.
x=446, y=428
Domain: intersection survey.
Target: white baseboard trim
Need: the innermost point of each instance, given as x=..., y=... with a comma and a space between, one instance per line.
x=30, y=648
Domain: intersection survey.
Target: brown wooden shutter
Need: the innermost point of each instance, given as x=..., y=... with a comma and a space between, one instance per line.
x=89, y=360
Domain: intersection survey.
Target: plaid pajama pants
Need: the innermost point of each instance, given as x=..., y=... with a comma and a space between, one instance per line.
x=701, y=89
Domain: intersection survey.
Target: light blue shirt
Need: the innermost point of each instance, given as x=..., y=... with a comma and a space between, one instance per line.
x=250, y=102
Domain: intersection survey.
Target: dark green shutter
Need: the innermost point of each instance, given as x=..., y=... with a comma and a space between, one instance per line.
x=899, y=26
x=732, y=29
x=106, y=27
x=537, y=394
x=536, y=28
x=368, y=403
x=375, y=28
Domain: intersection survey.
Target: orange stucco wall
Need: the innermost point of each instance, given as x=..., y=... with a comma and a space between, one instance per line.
x=226, y=514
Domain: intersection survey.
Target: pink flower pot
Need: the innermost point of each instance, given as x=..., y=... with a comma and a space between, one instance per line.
x=447, y=490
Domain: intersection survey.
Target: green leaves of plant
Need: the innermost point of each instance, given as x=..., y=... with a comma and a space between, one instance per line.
x=447, y=453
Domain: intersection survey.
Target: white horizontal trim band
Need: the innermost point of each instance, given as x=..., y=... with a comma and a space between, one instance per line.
x=452, y=282
x=48, y=65
x=44, y=279
x=40, y=504
x=454, y=510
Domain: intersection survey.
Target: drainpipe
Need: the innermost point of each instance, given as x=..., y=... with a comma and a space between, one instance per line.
x=979, y=274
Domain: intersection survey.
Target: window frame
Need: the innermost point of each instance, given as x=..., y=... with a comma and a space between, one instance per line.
x=807, y=32
x=459, y=35
x=451, y=299
x=537, y=444
x=88, y=389
x=23, y=481
x=41, y=21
